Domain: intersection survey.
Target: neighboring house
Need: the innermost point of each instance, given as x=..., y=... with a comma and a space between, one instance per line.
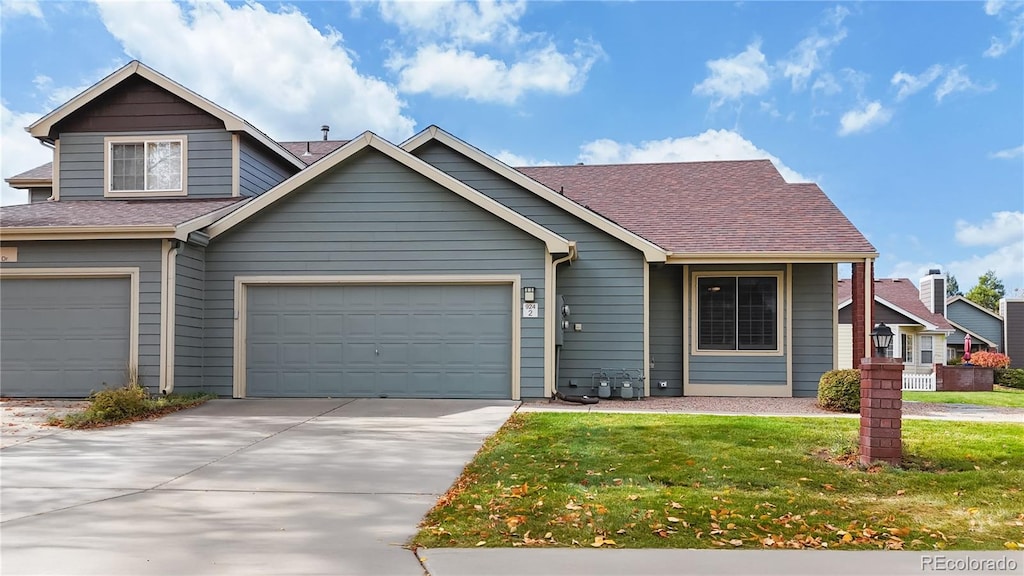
x=915, y=317
x=984, y=326
x=182, y=242
x=1012, y=312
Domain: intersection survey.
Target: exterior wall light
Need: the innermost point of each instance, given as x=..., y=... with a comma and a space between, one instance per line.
x=881, y=336
x=529, y=294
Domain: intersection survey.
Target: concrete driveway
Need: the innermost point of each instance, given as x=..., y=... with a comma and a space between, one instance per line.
x=239, y=487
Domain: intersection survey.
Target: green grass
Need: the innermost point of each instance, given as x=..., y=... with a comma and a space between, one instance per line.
x=1000, y=396
x=687, y=481
x=151, y=407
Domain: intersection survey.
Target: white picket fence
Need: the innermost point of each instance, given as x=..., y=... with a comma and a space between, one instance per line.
x=919, y=382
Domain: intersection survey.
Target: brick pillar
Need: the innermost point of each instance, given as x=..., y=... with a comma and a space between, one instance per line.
x=881, y=411
x=863, y=299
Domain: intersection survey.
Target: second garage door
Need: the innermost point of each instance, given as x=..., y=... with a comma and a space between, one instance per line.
x=401, y=341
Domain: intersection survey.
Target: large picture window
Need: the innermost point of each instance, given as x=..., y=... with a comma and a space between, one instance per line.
x=738, y=313
x=145, y=166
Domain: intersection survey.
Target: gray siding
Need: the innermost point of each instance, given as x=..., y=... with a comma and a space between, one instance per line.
x=1014, y=338
x=370, y=215
x=36, y=195
x=666, y=329
x=880, y=313
x=258, y=170
x=604, y=287
x=145, y=254
x=209, y=164
x=813, y=337
x=736, y=369
x=976, y=321
x=190, y=274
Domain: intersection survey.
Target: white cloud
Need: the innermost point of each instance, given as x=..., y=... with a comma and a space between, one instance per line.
x=709, y=145
x=734, y=77
x=21, y=152
x=461, y=22
x=513, y=159
x=1003, y=228
x=273, y=68
x=871, y=116
x=1013, y=14
x=478, y=51
x=455, y=72
x=826, y=84
x=15, y=8
x=956, y=80
x=811, y=54
x=909, y=84
x=1009, y=153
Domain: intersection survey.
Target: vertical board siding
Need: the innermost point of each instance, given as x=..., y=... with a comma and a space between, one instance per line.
x=189, y=277
x=737, y=368
x=976, y=321
x=667, y=329
x=603, y=288
x=258, y=170
x=209, y=164
x=145, y=254
x=813, y=339
x=369, y=216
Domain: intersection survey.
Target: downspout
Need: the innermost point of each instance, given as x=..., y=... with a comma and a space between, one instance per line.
x=170, y=309
x=572, y=255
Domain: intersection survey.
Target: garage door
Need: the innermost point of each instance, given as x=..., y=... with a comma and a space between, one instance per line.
x=450, y=341
x=63, y=337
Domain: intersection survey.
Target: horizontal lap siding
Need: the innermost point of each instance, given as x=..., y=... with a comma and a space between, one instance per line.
x=145, y=254
x=190, y=273
x=258, y=170
x=976, y=321
x=603, y=288
x=667, y=329
x=370, y=215
x=813, y=338
x=36, y=195
x=209, y=163
x=738, y=368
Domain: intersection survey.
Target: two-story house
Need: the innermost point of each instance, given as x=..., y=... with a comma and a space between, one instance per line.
x=171, y=238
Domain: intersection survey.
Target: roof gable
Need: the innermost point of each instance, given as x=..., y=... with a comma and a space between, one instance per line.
x=368, y=140
x=44, y=127
x=899, y=295
x=976, y=306
x=651, y=251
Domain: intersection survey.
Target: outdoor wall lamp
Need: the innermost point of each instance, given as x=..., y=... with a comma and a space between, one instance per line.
x=881, y=336
x=529, y=294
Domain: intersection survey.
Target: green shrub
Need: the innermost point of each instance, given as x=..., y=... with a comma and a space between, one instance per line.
x=839, y=391
x=119, y=403
x=954, y=361
x=1010, y=377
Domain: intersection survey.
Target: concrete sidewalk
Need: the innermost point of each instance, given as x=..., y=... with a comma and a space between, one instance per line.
x=575, y=562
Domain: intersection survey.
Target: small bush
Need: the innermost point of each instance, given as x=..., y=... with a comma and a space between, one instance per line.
x=128, y=404
x=990, y=360
x=839, y=391
x=954, y=362
x=1010, y=377
x=119, y=403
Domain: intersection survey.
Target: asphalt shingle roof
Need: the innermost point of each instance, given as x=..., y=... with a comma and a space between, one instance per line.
x=317, y=149
x=44, y=172
x=709, y=207
x=86, y=213
x=899, y=292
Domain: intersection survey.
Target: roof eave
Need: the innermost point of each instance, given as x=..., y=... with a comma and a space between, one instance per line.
x=23, y=233
x=25, y=183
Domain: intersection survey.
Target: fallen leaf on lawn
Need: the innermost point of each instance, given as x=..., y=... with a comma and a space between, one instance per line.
x=573, y=506
x=805, y=479
x=778, y=461
x=632, y=497
x=901, y=492
x=548, y=535
x=676, y=505
x=829, y=487
x=601, y=541
x=481, y=543
x=972, y=510
x=736, y=542
x=672, y=519
x=847, y=537
x=768, y=542
x=620, y=531
x=1013, y=545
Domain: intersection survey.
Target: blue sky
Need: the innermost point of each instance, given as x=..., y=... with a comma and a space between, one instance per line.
x=910, y=115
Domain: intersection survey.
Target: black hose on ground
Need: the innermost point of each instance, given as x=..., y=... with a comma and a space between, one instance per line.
x=575, y=399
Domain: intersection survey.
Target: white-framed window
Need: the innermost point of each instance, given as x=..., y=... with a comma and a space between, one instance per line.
x=925, y=345
x=738, y=313
x=145, y=166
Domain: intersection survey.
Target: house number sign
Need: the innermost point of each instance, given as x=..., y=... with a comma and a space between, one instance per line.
x=531, y=310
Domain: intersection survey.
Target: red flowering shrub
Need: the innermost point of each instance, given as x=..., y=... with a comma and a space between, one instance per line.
x=990, y=360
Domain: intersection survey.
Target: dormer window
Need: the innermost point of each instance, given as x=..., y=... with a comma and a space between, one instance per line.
x=151, y=166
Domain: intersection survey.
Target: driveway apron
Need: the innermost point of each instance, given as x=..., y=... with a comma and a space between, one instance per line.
x=239, y=487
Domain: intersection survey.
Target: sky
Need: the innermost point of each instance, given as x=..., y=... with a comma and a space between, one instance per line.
x=909, y=115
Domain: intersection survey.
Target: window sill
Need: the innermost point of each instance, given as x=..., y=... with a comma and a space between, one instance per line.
x=145, y=194
x=735, y=353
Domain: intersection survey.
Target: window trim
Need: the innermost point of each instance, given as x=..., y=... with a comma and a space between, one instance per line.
x=782, y=302
x=144, y=139
x=921, y=349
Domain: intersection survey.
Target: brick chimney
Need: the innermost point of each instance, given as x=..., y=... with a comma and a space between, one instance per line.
x=863, y=292
x=932, y=290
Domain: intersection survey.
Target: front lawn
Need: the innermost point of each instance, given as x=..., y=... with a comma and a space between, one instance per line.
x=1000, y=396
x=686, y=481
